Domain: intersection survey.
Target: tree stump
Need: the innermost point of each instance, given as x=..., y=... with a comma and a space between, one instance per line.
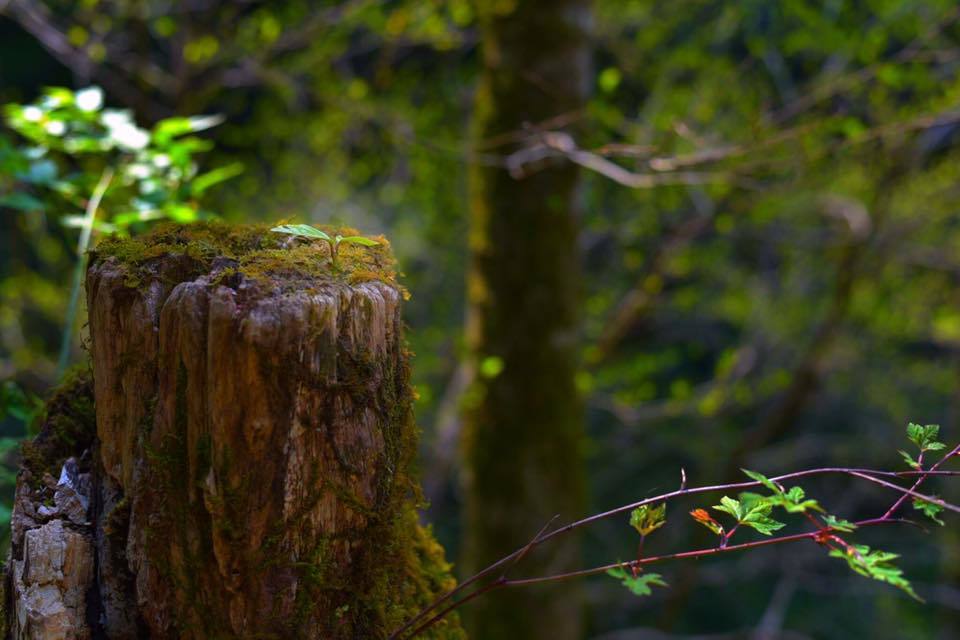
x=250, y=473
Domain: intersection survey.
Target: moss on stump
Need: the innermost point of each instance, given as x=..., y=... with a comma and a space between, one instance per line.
x=254, y=441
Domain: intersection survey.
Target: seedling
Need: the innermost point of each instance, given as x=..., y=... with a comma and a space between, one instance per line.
x=307, y=231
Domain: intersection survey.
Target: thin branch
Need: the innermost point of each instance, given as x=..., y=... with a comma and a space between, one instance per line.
x=870, y=475
x=922, y=476
x=698, y=553
x=86, y=231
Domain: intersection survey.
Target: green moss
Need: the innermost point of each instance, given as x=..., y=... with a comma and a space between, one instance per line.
x=68, y=426
x=399, y=568
x=250, y=252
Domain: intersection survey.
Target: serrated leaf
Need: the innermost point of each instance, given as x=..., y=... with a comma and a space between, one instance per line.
x=730, y=506
x=646, y=519
x=763, y=524
x=929, y=509
x=839, y=524
x=302, y=230
x=640, y=584
x=875, y=564
x=366, y=242
x=793, y=501
x=755, y=510
x=925, y=436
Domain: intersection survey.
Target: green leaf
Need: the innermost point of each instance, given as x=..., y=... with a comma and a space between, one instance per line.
x=646, y=519
x=925, y=436
x=929, y=509
x=180, y=212
x=875, y=564
x=839, y=524
x=909, y=460
x=640, y=584
x=764, y=480
x=730, y=506
x=751, y=510
x=206, y=180
x=763, y=524
x=303, y=231
x=756, y=510
x=793, y=501
x=367, y=242
x=168, y=129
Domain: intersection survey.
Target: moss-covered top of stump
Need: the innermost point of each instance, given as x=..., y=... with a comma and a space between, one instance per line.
x=252, y=254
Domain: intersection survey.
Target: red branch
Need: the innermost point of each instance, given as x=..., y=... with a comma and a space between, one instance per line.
x=418, y=624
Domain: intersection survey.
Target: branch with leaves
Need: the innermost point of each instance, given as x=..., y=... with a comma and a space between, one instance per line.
x=748, y=510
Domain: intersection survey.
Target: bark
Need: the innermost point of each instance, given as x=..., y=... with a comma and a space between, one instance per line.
x=523, y=430
x=253, y=444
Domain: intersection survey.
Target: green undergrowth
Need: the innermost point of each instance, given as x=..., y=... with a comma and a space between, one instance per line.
x=68, y=425
x=248, y=252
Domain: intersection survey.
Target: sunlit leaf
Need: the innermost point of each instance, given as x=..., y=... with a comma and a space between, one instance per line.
x=646, y=519
x=303, y=231
x=875, y=564
x=366, y=242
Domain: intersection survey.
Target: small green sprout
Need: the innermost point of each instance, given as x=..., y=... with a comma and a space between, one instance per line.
x=308, y=231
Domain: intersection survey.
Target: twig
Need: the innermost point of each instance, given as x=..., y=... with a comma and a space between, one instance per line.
x=923, y=475
x=870, y=475
x=82, y=244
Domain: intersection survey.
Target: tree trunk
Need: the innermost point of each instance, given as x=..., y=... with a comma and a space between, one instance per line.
x=524, y=431
x=249, y=472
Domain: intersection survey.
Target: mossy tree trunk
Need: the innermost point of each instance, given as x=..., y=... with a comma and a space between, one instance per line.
x=254, y=436
x=524, y=425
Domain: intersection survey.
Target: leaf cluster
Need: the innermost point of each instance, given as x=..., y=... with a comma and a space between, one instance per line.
x=751, y=510
x=71, y=138
x=646, y=519
x=925, y=436
x=875, y=564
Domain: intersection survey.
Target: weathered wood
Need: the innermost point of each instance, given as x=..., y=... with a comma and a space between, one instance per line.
x=254, y=441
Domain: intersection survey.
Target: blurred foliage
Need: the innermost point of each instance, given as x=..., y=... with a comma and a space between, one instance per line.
x=70, y=140
x=781, y=293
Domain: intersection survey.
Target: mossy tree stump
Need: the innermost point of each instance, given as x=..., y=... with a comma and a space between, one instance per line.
x=254, y=439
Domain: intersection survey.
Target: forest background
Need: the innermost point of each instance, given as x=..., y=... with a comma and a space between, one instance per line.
x=764, y=258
